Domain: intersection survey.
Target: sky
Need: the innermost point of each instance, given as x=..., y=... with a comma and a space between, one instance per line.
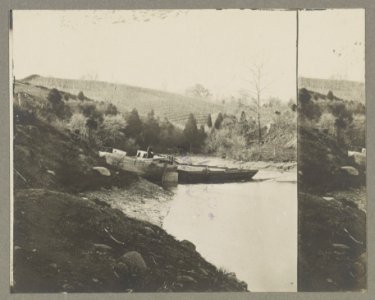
x=163, y=49
x=332, y=44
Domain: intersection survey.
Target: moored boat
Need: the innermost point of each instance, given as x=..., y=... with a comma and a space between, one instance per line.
x=211, y=174
x=156, y=168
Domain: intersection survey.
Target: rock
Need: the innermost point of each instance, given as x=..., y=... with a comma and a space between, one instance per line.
x=341, y=246
x=178, y=285
x=51, y=172
x=101, y=202
x=17, y=247
x=349, y=203
x=350, y=170
x=102, y=171
x=328, y=198
x=53, y=265
x=189, y=245
x=134, y=263
x=358, y=157
x=67, y=287
x=102, y=247
x=186, y=279
x=121, y=269
x=203, y=271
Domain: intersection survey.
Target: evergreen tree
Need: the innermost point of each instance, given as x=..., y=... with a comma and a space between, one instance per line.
x=219, y=120
x=191, y=131
x=134, y=127
x=151, y=130
x=243, y=117
x=243, y=124
x=201, y=136
x=81, y=96
x=57, y=105
x=209, y=121
x=111, y=110
x=330, y=95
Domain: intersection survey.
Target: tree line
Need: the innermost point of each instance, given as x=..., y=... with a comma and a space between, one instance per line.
x=102, y=124
x=234, y=135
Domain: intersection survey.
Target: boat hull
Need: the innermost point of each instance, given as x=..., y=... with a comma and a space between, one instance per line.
x=214, y=176
x=152, y=170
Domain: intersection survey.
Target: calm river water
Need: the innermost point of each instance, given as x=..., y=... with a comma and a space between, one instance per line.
x=246, y=228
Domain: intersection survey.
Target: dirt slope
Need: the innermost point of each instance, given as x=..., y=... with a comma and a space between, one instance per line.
x=66, y=243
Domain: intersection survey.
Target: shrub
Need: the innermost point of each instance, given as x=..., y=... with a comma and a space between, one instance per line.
x=57, y=106
x=77, y=124
x=111, y=109
x=330, y=95
x=81, y=96
x=54, y=97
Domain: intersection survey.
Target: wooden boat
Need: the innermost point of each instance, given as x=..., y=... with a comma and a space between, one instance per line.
x=158, y=169
x=211, y=174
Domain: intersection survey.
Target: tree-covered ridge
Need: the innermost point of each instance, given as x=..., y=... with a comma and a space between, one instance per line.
x=174, y=107
x=234, y=133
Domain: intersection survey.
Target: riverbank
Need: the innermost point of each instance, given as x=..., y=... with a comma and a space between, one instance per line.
x=141, y=200
x=149, y=202
x=65, y=243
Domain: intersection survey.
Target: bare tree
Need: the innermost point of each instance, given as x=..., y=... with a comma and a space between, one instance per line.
x=256, y=89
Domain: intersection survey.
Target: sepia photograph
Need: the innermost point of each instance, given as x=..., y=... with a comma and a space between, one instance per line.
x=177, y=150
x=156, y=151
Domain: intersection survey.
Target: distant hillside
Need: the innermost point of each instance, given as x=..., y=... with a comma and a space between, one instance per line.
x=172, y=106
x=344, y=89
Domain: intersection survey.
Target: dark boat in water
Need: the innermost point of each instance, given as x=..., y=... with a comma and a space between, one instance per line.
x=165, y=170
x=211, y=174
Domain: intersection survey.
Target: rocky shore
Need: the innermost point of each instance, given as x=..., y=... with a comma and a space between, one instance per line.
x=149, y=202
x=141, y=200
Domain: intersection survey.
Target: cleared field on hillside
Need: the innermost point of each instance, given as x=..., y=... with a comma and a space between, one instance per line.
x=166, y=105
x=344, y=89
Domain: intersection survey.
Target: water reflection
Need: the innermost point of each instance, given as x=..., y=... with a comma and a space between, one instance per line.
x=248, y=228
